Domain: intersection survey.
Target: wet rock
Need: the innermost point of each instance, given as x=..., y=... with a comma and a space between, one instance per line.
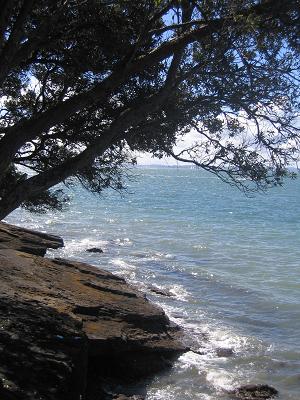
x=255, y=392
x=94, y=250
x=224, y=352
x=26, y=240
x=161, y=292
x=65, y=326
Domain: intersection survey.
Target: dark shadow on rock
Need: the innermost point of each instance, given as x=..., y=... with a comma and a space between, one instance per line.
x=43, y=353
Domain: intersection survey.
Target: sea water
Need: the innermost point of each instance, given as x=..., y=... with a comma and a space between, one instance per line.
x=232, y=264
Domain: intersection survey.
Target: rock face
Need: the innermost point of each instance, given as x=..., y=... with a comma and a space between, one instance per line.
x=13, y=237
x=65, y=327
x=43, y=352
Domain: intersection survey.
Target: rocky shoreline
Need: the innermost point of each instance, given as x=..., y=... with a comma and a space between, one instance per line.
x=70, y=331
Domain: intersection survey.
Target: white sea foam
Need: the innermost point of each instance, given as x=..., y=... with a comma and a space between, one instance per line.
x=128, y=275
x=168, y=256
x=118, y=262
x=160, y=394
x=191, y=359
x=77, y=248
x=123, y=242
x=161, y=256
x=180, y=292
x=170, y=393
x=220, y=379
x=227, y=338
x=125, y=270
x=85, y=244
x=110, y=220
x=175, y=313
x=200, y=247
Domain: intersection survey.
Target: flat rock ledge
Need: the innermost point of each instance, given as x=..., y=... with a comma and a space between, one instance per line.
x=26, y=240
x=68, y=328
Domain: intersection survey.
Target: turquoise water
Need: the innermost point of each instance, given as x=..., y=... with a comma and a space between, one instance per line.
x=231, y=262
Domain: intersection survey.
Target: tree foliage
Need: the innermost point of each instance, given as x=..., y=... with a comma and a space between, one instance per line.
x=83, y=83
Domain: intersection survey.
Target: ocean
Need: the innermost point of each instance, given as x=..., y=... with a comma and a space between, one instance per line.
x=231, y=263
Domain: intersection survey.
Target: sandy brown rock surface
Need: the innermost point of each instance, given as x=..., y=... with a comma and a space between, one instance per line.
x=28, y=241
x=67, y=326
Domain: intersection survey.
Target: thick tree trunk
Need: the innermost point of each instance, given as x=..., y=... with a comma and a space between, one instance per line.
x=7, y=206
x=39, y=183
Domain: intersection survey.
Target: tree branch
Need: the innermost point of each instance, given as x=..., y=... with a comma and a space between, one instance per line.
x=25, y=131
x=45, y=180
x=16, y=136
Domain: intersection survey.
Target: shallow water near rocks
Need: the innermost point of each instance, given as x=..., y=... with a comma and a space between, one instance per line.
x=231, y=263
